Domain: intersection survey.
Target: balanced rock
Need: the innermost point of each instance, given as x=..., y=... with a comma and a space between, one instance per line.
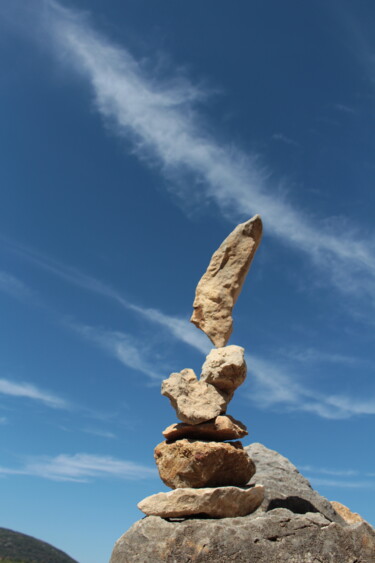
x=218, y=502
x=220, y=286
x=194, y=401
x=349, y=516
x=221, y=428
x=192, y=463
x=225, y=368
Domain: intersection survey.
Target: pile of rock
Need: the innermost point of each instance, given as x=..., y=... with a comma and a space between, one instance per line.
x=207, y=470
x=294, y=524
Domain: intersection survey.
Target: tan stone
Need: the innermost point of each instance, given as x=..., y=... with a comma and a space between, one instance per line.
x=225, y=368
x=219, y=502
x=192, y=463
x=194, y=401
x=220, y=286
x=219, y=429
x=349, y=516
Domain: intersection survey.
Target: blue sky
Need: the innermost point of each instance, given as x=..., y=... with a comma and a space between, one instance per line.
x=135, y=135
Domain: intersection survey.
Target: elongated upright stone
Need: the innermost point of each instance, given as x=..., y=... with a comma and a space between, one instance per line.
x=220, y=286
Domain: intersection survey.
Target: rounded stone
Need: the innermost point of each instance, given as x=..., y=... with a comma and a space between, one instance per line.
x=225, y=368
x=193, y=463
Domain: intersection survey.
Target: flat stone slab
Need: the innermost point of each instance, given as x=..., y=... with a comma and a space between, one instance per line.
x=194, y=463
x=219, y=502
x=221, y=428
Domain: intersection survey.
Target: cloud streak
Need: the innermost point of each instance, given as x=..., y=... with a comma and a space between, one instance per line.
x=123, y=347
x=80, y=468
x=29, y=391
x=338, y=478
x=160, y=118
x=318, y=482
x=13, y=286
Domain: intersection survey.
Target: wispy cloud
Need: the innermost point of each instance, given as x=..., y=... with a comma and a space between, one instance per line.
x=352, y=484
x=331, y=472
x=81, y=467
x=123, y=347
x=100, y=433
x=278, y=386
x=181, y=328
x=284, y=139
x=338, y=478
x=29, y=391
x=13, y=286
x=160, y=118
x=343, y=108
x=313, y=355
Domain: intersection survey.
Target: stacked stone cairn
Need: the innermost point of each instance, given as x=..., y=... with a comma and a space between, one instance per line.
x=199, y=460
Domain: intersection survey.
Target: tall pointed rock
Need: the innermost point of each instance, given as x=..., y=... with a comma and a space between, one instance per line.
x=220, y=286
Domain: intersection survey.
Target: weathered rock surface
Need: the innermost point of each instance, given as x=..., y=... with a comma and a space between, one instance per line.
x=278, y=536
x=349, y=516
x=192, y=463
x=218, y=502
x=225, y=368
x=220, y=286
x=221, y=428
x=194, y=401
x=285, y=487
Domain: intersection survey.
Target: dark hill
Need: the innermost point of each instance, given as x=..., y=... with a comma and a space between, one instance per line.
x=20, y=548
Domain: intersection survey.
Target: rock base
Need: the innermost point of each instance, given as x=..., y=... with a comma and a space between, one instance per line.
x=218, y=502
x=277, y=536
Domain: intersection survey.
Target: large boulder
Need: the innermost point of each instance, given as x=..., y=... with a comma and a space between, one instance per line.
x=278, y=536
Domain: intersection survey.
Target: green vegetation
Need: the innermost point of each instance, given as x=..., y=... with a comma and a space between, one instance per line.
x=20, y=548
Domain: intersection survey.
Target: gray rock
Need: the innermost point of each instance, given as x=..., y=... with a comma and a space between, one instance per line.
x=278, y=536
x=217, y=502
x=285, y=487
